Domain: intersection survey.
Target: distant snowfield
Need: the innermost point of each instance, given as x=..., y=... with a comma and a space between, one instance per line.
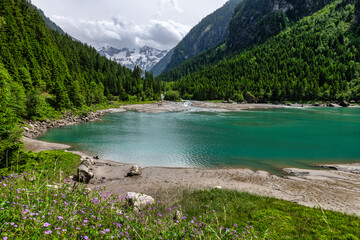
x=145, y=58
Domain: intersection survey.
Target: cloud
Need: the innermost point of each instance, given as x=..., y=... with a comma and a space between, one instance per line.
x=174, y=4
x=120, y=32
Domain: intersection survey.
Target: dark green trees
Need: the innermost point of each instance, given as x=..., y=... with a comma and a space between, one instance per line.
x=43, y=71
x=10, y=144
x=51, y=70
x=316, y=59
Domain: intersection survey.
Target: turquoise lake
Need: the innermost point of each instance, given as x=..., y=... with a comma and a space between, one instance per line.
x=263, y=139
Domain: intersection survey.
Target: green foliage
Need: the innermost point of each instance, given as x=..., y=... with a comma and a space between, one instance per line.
x=10, y=134
x=49, y=164
x=285, y=220
x=316, y=59
x=253, y=22
x=63, y=72
x=44, y=72
x=172, y=96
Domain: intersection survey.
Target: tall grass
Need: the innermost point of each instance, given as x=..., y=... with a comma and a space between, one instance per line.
x=38, y=210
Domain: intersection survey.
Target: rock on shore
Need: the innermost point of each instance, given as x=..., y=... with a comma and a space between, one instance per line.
x=35, y=129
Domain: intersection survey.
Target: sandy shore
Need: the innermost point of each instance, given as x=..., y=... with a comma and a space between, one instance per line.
x=39, y=146
x=335, y=188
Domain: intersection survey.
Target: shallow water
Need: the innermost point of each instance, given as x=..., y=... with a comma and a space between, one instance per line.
x=266, y=139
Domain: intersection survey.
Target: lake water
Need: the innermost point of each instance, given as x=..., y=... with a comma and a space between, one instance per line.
x=266, y=139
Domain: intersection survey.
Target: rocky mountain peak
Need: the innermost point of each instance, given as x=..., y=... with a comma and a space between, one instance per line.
x=145, y=57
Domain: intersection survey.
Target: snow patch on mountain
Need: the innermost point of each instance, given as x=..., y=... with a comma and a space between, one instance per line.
x=145, y=58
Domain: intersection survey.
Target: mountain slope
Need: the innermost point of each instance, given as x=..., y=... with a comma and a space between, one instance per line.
x=316, y=59
x=357, y=13
x=255, y=21
x=145, y=57
x=49, y=23
x=43, y=73
x=158, y=68
x=208, y=33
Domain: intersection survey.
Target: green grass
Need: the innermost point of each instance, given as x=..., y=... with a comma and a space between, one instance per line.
x=33, y=210
x=55, y=165
x=30, y=209
x=284, y=219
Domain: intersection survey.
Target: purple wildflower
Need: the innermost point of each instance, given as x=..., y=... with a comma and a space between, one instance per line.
x=46, y=224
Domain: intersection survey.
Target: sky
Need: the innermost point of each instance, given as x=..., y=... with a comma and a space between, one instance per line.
x=128, y=23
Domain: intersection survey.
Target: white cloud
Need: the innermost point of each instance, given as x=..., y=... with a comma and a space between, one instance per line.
x=174, y=4
x=120, y=32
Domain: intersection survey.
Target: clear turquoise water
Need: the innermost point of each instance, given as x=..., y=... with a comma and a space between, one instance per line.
x=266, y=139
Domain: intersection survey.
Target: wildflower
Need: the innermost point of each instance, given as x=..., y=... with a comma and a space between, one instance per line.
x=5, y=238
x=46, y=224
x=48, y=232
x=86, y=238
x=60, y=218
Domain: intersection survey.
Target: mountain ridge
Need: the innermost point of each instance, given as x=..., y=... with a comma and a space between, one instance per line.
x=315, y=59
x=209, y=32
x=253, y=22
x=145, y=57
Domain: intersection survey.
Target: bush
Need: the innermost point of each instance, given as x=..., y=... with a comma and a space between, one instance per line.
x=187, y=96
x=172, y=96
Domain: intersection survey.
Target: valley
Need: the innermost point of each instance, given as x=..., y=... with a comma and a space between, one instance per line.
x=246, y=127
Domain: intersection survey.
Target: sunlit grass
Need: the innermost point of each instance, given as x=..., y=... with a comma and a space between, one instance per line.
x=34, y=210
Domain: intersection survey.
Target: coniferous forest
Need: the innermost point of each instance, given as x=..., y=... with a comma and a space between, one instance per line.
x=315, y=59
x=43, y=72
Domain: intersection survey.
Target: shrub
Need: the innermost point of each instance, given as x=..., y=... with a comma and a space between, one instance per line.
x=172, y=96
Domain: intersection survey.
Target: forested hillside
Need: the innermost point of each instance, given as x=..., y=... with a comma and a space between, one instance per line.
x=43, y=71
x=212, y=30
x=316, y=59
x=357, y=14
x=161, y=65
x=48, y=21
x=253, y=22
